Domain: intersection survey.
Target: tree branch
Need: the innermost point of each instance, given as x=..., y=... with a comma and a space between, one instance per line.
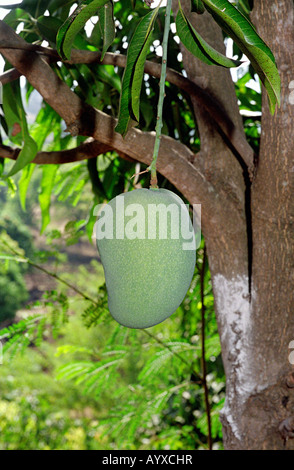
x=82, y=119
x=225, y=125
x=89, y=149
x=9, y=76
x=176, y=161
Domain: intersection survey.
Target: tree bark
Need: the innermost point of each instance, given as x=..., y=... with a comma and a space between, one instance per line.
x=260, y=395
x=225, y=236
x=256, y=323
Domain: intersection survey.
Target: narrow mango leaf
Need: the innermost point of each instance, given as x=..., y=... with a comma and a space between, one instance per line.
x=198, y=46
x=74, y=23
x=138, y=75
x=243, y=33
x=48, y=27
x=18, y=127
x=26, y=155
x=107, y=27
x=133, y=74
x=197, y=6
x=24, y=182
x=11, y=105
x=48, y=177
x=46, y=122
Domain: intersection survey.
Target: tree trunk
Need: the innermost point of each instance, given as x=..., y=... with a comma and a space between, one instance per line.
x=256, y=335
x=260, y=407
x=251, y=256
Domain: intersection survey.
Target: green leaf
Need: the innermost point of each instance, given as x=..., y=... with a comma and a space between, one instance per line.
x=139, y=72
x=71, y=349
x=26, y=155
x=106, y=74
x=198, y=46
x=73, y=370
x=11, y=106
x=197, y=6
x=56, y=4
x=201, y=422
x=91, y=221
x=48, y=27
x=46, y=122
x=245, y=6
x=18, y=128
x=159, y=359
x=48, y=177
x=133, y=74
x=107, y=27
x=24, y=183
x=74, y=23
x=69, y=184
x=85, y=370
x=2, y=163
x=243, y=33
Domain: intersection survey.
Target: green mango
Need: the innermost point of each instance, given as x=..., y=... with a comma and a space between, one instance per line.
x=141, y=243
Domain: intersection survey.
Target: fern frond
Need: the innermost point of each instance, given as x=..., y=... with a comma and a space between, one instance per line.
x=160, y=358
x=33, y=329
x=92, y=374
x=71, y=349
x=94, y=313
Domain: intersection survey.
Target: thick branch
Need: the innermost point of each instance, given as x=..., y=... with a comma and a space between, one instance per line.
x=82, y=119
x=225, y=125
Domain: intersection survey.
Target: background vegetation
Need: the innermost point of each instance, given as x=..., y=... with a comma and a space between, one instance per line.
x=72, y=378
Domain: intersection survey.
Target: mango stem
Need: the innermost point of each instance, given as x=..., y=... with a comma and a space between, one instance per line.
x=159, y=124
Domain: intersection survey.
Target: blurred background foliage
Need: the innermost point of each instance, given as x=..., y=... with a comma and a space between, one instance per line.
x=72, y=378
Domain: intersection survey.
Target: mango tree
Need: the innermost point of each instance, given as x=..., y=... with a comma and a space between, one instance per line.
x=214, y=149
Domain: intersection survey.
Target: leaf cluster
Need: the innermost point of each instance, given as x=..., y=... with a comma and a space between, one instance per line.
x=131, y=94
